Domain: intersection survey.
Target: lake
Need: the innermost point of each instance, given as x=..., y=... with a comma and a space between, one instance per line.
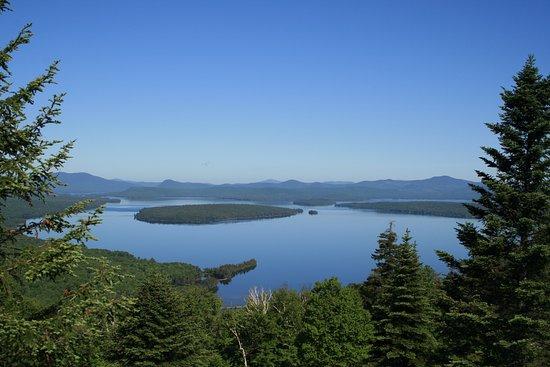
x=294, y=251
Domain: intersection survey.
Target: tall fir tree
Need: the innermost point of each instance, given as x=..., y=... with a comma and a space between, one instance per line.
x=402, y=309
x=167, y=327
x=70, y=331
x=500, y=292
x=384, y=257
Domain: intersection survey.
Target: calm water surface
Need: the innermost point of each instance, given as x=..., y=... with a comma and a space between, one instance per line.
x=294, y=251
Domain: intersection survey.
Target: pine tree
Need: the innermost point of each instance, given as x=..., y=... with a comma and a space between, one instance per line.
x=337, y=330
x=402, y=309
x=500, y=292
x=167, y=326
x=383, y=255
x=152, y=333
x=201, y=320
x=70, y=331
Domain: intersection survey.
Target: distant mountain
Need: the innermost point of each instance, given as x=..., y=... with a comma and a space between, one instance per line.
x=270, y=181
x=171, y=184
x=338, y=182
x=434, y=188
x=85, y=183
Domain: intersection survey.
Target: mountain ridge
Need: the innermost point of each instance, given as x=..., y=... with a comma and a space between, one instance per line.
x=437, y=187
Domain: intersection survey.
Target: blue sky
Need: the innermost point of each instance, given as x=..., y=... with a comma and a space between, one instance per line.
x=238, y=91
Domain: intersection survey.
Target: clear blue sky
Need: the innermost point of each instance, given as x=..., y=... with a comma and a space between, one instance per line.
x=236, y=91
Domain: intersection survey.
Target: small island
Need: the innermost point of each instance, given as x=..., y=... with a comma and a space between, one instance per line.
x=313, y=212
x=314, y=202
x=212, y=213
x=434, y=208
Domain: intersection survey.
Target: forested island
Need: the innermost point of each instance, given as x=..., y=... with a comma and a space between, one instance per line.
x=314, y=202
x=435, y=208
x=212, y=213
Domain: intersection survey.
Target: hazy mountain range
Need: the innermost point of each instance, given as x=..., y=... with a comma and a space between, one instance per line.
x=435, y=188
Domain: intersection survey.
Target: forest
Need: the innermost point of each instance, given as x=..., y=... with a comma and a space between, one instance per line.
x=435, y=208
x=62, y=304
x=19, y=210
x=314, y=202
x=212, y=213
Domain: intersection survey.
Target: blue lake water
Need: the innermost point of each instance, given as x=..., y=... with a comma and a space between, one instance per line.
x=294, y=251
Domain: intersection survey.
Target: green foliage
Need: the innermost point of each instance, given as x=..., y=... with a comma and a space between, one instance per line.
x=337, y=330
x=402, y=308
x=212, y=213
x=153, y=332
x=224, y=273
x=435, y=208
x=265, y=330
x=17, y=211
x=168, y=327
x=43, y=293
x=384, y=256
x=70, y=331
x=500, y=293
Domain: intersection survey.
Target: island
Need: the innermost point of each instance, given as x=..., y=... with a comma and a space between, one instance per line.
x=314, y=202
x=434, y=208
x=212, y=213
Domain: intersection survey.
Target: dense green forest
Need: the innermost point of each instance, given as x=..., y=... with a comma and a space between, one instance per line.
x=436, y=208
x=62, y=304
x=19, y=210
x=314, y=202
x=212, y=213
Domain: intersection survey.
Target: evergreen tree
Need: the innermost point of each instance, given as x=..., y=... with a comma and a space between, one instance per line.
x=337, y=330
x=500, y=292
x=68, y=332
x=201, y=320
x=383, y=256
x=168, y=327
x=402, y=309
